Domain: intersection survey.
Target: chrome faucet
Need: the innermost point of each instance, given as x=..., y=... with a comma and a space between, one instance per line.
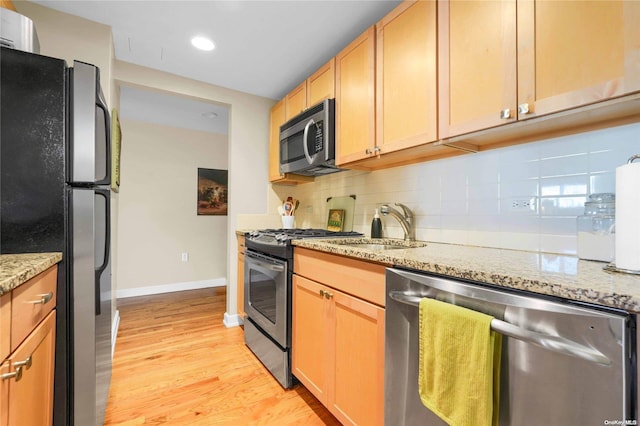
x=405, y=218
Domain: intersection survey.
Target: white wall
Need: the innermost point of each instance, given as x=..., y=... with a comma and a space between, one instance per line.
x=467, y=199
x=248, y=149
x=157, y=211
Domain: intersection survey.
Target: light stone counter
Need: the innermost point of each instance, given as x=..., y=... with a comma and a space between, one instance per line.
x=544, y=273
x=16, y=269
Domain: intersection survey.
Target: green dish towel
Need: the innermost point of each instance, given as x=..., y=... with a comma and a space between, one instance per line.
x=459, y=370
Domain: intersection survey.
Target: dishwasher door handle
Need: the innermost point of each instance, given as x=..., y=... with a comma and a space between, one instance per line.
x=546, y=341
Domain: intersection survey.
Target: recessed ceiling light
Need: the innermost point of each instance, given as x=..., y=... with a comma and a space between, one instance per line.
x=202, y=43
x=210, y=115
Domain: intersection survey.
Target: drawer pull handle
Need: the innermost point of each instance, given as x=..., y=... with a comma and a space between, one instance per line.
x=44, y=299
x=26, y=363
x=15, y=375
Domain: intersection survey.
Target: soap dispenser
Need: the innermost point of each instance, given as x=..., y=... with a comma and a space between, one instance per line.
x=376, y=226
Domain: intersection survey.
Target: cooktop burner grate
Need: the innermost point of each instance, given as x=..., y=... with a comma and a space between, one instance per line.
x=306, y=233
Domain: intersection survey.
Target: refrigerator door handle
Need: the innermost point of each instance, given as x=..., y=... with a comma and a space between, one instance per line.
x=102, y=104
x=107, y=244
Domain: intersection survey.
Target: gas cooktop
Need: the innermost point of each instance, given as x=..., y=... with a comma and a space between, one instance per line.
x=284, y=236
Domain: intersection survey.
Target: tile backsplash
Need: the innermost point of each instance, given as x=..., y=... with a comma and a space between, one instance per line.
x=470, y=199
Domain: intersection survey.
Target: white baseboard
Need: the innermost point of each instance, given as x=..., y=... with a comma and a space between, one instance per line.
x=169, y=288
x=114, y=331
x=232, y=320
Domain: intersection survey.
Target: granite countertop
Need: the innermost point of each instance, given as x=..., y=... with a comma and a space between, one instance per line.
x=543, y=273
x=16, y=269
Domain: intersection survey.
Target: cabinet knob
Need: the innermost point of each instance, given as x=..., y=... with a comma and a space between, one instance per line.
x=376, y=150
x=367, y=151
x=523, y=109
x=328, y=295
x=15, y=375
x=505, y=114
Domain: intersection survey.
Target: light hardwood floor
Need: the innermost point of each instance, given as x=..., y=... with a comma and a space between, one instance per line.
x=175, y=363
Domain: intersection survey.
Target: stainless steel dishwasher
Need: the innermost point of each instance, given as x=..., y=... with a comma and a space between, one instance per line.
x=562, y=362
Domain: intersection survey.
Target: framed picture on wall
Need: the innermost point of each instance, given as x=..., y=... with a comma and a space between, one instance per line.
x=212, y=192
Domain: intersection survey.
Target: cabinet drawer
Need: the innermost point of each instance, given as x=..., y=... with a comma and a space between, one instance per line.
x=31, y=302
x=356, y=277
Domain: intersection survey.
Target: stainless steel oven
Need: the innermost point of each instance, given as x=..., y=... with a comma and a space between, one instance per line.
x=268, y=269
x=266, y=294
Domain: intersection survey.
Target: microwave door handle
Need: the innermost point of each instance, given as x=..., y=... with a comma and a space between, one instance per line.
x=304, y=141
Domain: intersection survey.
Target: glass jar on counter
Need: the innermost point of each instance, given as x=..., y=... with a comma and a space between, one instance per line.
x=596, y=238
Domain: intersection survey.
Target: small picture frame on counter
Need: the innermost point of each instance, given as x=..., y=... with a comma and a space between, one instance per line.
x=335, y=222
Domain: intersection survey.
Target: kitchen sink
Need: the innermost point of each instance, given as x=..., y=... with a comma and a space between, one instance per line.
x=381, y=244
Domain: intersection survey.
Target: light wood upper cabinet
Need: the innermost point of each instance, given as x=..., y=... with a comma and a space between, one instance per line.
x=296, y=101
x=574, y=53
x=7, y=4
x=277, y=120
x=355, y=99
x=510, y=60
x=477, y=65
x=405, y=100
x=406, y=81
x=321, y=85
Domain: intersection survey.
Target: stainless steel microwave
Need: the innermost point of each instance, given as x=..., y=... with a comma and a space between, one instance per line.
x=307, y=141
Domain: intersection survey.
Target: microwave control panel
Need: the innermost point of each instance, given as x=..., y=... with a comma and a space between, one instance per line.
x=319, y=137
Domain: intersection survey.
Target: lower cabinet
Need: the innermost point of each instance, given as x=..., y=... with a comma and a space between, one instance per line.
x=338, y=350
x=27, y=314
x=27, y=378
x=240, y=283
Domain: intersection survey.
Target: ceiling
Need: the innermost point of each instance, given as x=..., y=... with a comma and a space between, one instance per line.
x=263, y=47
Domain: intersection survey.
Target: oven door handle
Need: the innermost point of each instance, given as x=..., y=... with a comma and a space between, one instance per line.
x=546, y=341
x=269, y=266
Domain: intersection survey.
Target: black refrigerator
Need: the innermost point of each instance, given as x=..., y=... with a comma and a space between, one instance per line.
x=55, y=177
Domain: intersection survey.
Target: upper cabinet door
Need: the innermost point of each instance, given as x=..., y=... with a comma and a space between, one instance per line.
x=406, y=84
x=477, y=65
x=573, y=53
x=296, y=101
x=277, y=120
x=322, y=84
x=355, y=99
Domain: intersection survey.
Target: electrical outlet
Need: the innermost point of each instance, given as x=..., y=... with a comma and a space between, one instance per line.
x=185, y=257
x=522, y=205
